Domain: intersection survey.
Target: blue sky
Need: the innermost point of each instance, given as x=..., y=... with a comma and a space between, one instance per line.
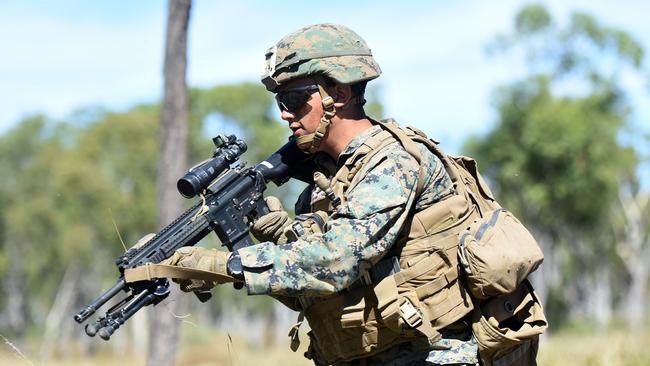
x=59, y=56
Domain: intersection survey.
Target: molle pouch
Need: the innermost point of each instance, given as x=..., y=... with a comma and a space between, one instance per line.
x=347, y=326
x=507, y=328
x=497, y=253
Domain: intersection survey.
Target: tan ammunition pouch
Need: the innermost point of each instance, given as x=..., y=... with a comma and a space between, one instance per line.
x=497, y=253
x=507, y=327
x=426, y=294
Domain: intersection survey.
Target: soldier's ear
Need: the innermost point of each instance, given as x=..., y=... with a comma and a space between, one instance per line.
x=342, y=95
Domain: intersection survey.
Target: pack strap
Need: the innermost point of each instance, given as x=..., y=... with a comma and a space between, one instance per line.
x=409, y=142
x=374, y=145
x=450, y=167
x=433, y=287
x=426, y=265
x=367, y=151
x=149, y=271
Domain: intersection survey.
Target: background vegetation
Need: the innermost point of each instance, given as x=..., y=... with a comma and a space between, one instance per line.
x=562, y=155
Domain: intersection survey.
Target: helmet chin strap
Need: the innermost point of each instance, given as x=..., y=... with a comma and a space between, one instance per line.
x=311, y=142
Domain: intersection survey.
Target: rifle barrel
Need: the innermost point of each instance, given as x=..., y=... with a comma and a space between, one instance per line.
x=89, y=310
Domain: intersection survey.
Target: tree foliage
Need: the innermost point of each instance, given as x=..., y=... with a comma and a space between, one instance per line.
x=555, y=154
x=556, y=158
x=73, y=190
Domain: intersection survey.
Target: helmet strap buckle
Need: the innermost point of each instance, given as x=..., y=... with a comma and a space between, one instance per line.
x=329, y=113
x=328, y=103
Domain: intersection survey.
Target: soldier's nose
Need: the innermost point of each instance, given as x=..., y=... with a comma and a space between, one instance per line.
x=287, y=116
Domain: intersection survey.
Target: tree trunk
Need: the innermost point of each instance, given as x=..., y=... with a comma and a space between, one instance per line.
x=165, y=328
x=636, y=296
x=577, y=288
x=600, y=297
x=57, y=318
x=15, y=291
x=270, y=327
x=634, y=248
x=140, y=333
x=86, y=287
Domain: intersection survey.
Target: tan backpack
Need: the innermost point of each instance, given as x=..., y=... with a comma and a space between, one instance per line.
x=496, y=254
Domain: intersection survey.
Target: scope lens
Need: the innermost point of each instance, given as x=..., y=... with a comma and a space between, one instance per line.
x=198, y=179
x=189, y=185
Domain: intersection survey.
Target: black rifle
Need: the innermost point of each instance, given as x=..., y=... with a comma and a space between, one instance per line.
x=231, y=198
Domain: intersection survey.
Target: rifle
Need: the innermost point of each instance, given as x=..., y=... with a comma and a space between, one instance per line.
x=231, y=199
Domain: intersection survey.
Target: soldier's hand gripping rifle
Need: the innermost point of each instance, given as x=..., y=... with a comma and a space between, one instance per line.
x=231, y=198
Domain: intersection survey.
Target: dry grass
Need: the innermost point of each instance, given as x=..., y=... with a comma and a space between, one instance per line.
x=617, y=348
x=221, y=349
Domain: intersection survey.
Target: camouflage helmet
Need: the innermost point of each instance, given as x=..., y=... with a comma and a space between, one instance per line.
x=329, y=50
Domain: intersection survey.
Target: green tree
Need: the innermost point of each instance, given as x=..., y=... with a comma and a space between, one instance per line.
x=64, y=184
x=102, y=180
x=18, y=149
x=554, y=155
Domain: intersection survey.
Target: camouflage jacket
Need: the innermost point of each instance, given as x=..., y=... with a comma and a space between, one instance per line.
x=358, y=234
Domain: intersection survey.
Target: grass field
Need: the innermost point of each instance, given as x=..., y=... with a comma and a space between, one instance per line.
x=575, y=348
x=617, y=348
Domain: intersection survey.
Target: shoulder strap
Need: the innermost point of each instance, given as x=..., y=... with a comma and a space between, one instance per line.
x=433, y=146
x=463, y=173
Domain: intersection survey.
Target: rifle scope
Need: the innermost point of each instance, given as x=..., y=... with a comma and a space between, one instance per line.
x=197, y=179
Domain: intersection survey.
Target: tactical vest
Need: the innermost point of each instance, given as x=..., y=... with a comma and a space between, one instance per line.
x=427, y=293
x=424, y=296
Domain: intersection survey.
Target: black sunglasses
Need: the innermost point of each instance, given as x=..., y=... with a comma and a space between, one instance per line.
x=293, y=100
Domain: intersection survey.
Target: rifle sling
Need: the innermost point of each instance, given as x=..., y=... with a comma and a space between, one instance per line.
x=150, y=271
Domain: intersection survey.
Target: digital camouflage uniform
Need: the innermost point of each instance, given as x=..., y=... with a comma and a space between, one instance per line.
x=358, y=234
x=377, y=208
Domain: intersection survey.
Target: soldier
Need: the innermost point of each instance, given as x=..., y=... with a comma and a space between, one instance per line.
x=359, y=261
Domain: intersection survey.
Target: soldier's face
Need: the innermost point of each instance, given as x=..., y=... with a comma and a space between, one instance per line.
x=302, y=119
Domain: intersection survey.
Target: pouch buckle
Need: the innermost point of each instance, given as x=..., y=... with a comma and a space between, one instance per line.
x=462, y=253
x=410, y=314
